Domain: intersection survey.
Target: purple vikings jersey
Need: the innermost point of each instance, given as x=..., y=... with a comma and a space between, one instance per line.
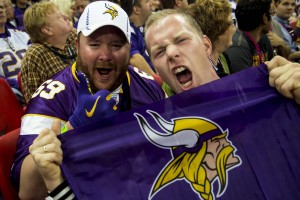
x=56, y=99
x=138, y=44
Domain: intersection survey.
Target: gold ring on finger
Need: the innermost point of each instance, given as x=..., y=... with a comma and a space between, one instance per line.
x=45, y=148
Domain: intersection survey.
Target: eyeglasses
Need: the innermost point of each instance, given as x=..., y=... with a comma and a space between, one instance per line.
x=271, y=13
x=234, y=22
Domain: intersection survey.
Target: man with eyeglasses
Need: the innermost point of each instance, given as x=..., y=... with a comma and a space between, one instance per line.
x=283, y=11
x=251, y=46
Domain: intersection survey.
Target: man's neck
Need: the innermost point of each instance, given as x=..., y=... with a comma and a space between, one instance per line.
x=256, y=34
x=59, y=43
x=135, y=19
x=2, y=28
x=280, y=18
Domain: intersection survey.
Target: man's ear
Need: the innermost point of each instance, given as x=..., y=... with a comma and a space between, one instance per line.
x=179, y=3
x=46, y=30
x=265, y=19
x=207, y=44
x=136, y=10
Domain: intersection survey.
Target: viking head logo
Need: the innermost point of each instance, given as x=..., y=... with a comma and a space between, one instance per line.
x=201, y=153
x=111, y=10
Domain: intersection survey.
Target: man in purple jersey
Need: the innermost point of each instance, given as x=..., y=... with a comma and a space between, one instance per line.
x=20, y=7
x=113, y=87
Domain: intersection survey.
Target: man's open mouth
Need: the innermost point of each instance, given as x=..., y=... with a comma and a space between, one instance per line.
x=184, y=76
x=104, y=72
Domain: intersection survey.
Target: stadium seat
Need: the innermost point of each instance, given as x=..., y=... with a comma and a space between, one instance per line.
x=11, y=109
x=20, y=84
x=8, y=144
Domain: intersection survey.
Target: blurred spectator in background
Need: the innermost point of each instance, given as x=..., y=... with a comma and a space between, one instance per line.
x=138, y=12
x=12, y=21
x=80, y=5
x=20, y=7
x=53, y=46
x=251, y=46
x=13, y=46
x=283, y=11
x=74, y=17
x=218, y=28
x=275, y=36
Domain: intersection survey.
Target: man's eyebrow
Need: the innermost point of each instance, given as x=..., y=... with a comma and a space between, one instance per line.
x=156, y=47
x=160, y=46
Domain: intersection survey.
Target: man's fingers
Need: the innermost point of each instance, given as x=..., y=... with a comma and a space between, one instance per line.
x=285, y=88
x=83, y=84
x=276, y=62
x=279, y=75
x=286, y=79
x=56, y=126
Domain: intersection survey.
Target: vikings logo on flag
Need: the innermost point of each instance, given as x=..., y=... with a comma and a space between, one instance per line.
x=201, y=153
x=111, y=10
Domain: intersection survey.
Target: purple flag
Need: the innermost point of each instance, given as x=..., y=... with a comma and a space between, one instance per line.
x=235, y=138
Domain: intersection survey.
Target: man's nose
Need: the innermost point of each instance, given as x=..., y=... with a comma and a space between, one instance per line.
x=104, y=53
x=172, y=52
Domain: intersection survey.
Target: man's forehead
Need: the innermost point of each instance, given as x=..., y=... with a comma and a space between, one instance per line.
x=175, y=18
x=287, y=2
x=170, y=22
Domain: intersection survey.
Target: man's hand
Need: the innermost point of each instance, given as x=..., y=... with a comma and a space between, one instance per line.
x=91, y=107
x=285, y=76
x=47, y=154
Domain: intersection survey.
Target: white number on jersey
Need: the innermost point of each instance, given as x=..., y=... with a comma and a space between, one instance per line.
x=49, y=89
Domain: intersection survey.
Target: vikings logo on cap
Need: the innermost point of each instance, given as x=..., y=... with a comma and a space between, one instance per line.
x=111, y=10
x=200, y=149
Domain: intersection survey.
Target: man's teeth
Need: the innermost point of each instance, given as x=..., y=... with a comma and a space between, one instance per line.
x=179, y=69
x=187, y=84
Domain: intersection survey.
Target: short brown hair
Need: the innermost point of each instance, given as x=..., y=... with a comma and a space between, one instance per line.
x=36, y=17
x=211, y=16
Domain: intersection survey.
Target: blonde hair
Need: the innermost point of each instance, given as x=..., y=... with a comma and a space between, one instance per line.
x=35, y=18
x=157, y=16
x=64, y=7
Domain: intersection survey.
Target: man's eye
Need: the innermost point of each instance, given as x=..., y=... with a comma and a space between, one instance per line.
x=181, y=40
x=94, y=44
x=159, y=53
x=116, y=45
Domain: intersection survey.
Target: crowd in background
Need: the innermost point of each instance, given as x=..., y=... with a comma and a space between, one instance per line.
x=38, y=42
